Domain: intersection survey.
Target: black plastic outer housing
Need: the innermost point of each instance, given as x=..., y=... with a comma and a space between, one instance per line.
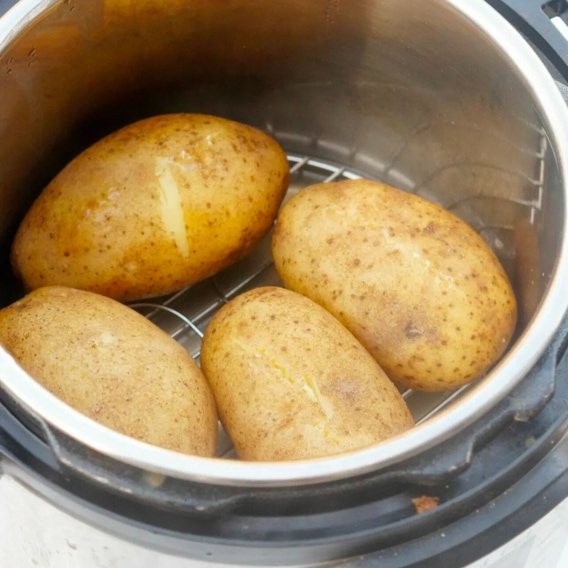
x=532, y=19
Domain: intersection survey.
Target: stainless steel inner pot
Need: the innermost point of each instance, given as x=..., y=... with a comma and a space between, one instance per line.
x=441, y=98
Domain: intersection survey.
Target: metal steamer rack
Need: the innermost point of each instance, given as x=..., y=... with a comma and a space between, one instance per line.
x=186, y=313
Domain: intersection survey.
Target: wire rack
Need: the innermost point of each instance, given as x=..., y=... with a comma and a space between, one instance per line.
x=186, y=314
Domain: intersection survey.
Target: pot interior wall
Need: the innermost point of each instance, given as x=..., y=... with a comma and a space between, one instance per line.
x=415, y=97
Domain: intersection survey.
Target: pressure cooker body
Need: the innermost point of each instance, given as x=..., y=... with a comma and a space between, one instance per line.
x=444, y=100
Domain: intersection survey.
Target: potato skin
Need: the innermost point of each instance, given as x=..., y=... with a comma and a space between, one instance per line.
x=152, y=208
x=417, y=286
x=113, y=365
x=292, y=383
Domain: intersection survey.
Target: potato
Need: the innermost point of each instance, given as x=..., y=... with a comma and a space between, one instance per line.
x=153, y=208
x=417, y=286
x=113, y=365
x=291, y=382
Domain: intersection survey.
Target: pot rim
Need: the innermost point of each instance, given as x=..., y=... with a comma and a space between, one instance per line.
x=507, y=374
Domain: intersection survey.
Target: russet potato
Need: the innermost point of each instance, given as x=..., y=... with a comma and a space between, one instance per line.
x=417, y=286
x=292, y=383
x=152, y=208
x=113, y=365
